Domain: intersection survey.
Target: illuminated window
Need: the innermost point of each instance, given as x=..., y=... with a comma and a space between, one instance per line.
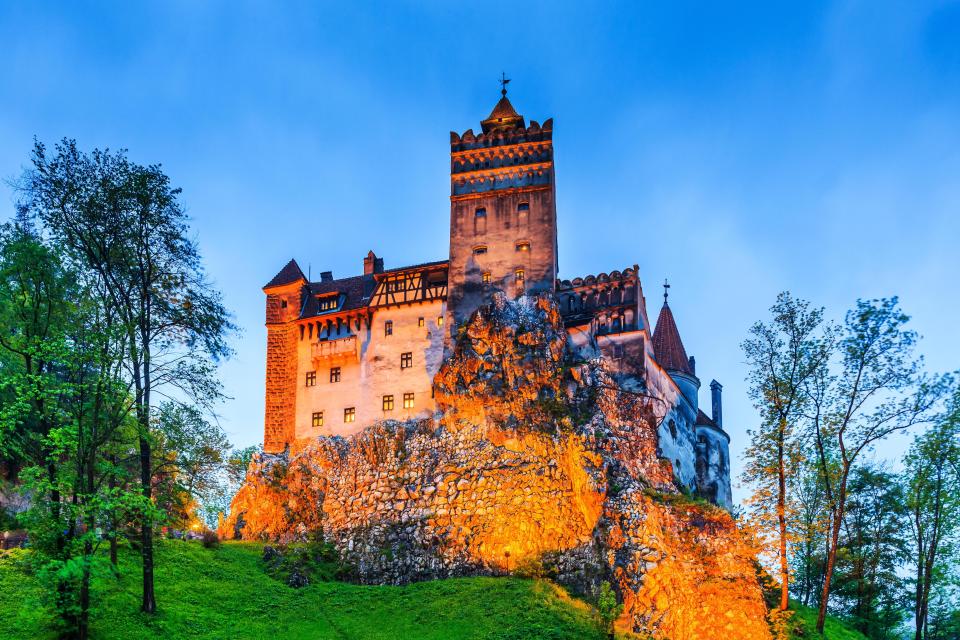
x=419, y=322
x=334, y=374
x=486, y=277
x=479, y=251
x=311, y=378
x=523, y=246
x=523, y=206
x=481, y=213
x=439, y=321
x=328, y=303
x=519, y=274
x=388, y=328
x=317, y=418
x=408, y=401
x=406, y=360
x=388, y=403
x=350, y=414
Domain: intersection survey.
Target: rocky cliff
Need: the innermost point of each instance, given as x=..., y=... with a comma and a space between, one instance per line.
x=533, y=463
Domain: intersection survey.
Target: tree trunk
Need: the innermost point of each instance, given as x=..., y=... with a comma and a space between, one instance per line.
x=149, y=604
x=828, y=570
x=112, y=533
x=782, y=522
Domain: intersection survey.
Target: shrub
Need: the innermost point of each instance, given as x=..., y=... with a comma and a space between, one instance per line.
x=210, y=539
x=607, y=607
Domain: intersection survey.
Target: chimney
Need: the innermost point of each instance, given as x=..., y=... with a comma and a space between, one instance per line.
x=693, y=365
x=372, y=264
x=326, y=276
x=716, y=389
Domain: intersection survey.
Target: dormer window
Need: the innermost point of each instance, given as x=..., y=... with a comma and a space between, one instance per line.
x=327, y=303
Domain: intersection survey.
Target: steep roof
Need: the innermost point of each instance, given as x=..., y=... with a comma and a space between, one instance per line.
x=667, y=345
x=503, y=116
x=290, y=273
x=705, y=420
x=355, y=290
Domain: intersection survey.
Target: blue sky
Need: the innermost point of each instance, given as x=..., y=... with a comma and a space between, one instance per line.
x=737, y=150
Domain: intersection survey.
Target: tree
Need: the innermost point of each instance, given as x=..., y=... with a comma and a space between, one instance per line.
x=871, y=552
x=782, y=356
x=879, y=389
x=809, y=525
x=123, y=222
x=607, y=607
x=931, y=483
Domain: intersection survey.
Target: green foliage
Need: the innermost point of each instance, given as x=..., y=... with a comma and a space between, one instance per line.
x=608, y=609
x=803, y=625
x=225, y=594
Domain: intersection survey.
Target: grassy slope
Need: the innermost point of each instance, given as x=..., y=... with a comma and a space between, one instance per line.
x=224, y=593
x=805, y=624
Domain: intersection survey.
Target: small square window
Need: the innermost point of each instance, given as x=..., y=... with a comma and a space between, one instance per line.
x=388, y=403
x=311, y=378
x=388, y=328
x=439, y=321
x=419, y=322
x=406, y=360
x=486, y=277
x=317, y=419
x=334, y=374
x=523, y=206
x=350, y=414
x=283, y=304
x=481, y=213
x=408, y=401
x=519, y=274
x=523, y=246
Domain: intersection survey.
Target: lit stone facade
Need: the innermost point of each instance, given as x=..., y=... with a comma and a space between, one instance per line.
x=345, y=354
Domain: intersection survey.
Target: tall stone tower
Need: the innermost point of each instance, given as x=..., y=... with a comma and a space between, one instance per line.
x=503, y=214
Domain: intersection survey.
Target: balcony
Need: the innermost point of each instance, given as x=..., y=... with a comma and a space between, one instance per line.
x=347, y=348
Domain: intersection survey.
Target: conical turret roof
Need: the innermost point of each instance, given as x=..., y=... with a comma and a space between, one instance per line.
x=503, y=116
x=290, y=273
x=667, y=345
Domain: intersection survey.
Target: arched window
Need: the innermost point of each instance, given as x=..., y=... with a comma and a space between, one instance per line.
x=673, y=428
x=479, y=250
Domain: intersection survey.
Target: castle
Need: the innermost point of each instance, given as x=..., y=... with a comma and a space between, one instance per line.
x=343, y=354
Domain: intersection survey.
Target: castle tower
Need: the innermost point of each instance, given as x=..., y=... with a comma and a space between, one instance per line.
x=503, y=216
x=284, y=298
x=669, y=352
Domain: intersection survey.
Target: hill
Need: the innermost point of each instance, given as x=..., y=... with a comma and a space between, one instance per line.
x=225, y=593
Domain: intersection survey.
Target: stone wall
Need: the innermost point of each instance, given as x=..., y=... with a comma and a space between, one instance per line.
x=532, y=460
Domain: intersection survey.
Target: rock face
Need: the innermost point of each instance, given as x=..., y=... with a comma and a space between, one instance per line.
x=533, y=463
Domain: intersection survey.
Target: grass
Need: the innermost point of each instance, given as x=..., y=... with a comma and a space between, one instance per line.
x=804, y=624
x=225, y=593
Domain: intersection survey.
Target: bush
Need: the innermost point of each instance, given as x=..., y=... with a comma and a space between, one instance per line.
x=210, y=539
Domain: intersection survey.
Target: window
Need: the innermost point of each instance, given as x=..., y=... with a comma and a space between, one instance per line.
x=350, y=414
x=523, y=246
x=519, y=274
x=311, y=378
x=408, y=401
x=388, y=328
x=283, y=304
x=673, y=429
x=486, y=277
x=419, y=322
x=439, y=321
x=334, y=374
x=388, y=403
x=523, y=206
x=479, y=251
x=406, y=360
x=570, y=303
x=326, y=304
x=481, y=213
x=317, y=418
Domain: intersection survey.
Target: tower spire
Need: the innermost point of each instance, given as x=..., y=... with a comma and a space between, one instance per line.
x=504, y=81
x=666, y=291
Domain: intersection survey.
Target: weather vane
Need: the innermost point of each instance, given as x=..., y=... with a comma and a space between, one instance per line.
x=666, y=290
x=504, y=81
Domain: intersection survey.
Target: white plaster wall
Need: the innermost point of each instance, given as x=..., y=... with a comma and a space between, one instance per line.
x=363, y=384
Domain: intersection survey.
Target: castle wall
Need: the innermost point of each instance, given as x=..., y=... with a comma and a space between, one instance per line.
x=283, y=305
x=713, y=466
x=370, y=371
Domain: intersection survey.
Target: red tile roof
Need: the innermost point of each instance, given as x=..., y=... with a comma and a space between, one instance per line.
x=667, y=345
x=503, y=116
x=705, y=420
x=290, y=273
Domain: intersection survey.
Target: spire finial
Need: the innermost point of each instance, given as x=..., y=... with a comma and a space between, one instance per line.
x=504, y=81
x=666, y=290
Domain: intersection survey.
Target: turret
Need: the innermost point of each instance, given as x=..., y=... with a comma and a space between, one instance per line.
x=503, y=216
x=670, y=354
